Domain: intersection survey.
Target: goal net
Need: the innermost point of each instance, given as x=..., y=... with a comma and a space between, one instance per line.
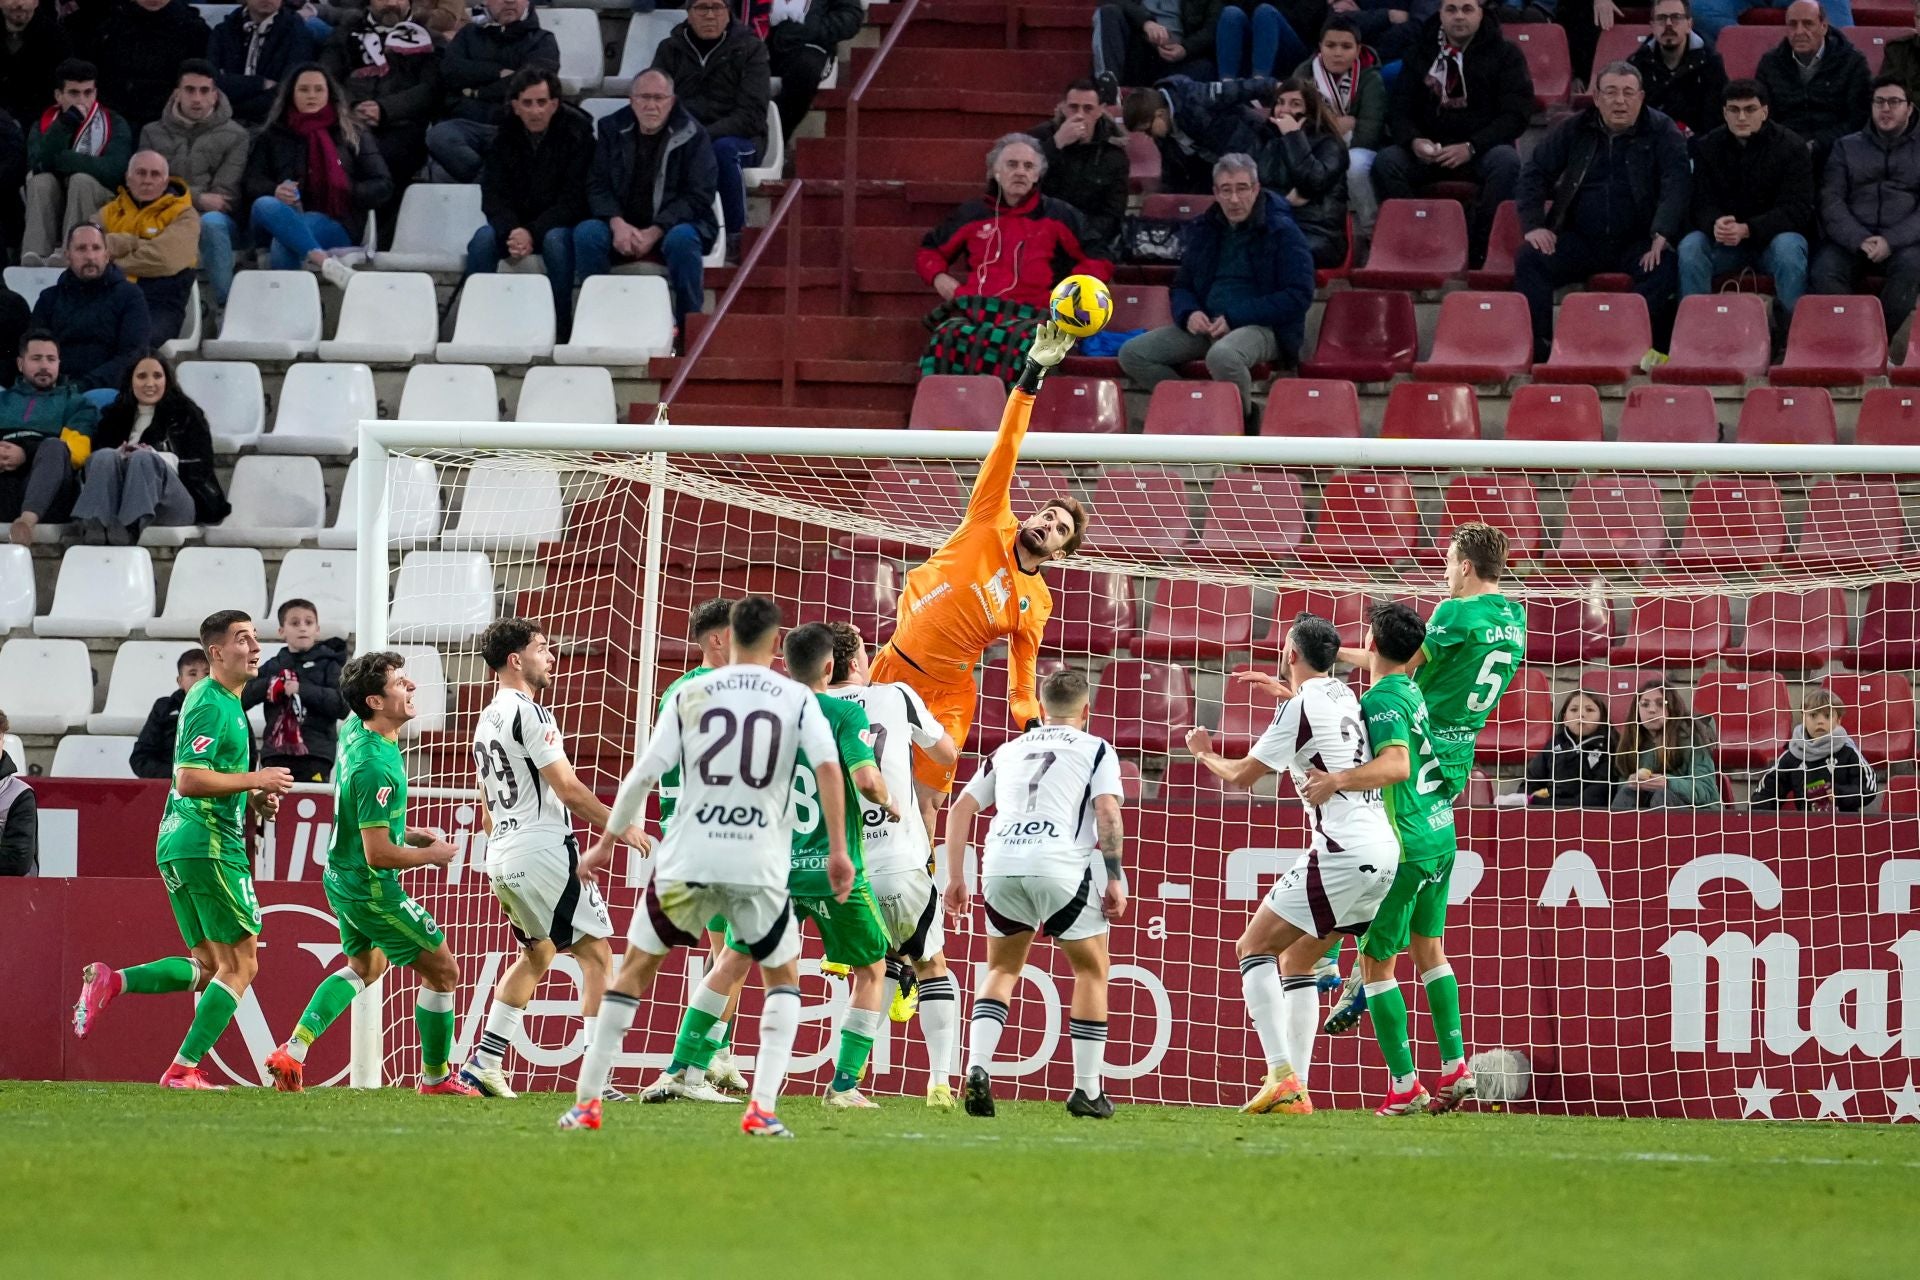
x=1631, y=935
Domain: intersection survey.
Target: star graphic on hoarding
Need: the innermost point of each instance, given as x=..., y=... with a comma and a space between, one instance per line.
x=1905, y=1100
x=1757, y=1101
x=1832, y=1099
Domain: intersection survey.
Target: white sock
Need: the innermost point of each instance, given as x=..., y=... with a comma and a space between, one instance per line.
x=866, y=1022
x=983, y=1033
x=603, y=1041
x=503, y=1024
x=779, y=1020
x=939, y=1011
x=889, y=988
x=1299, y=1018
x=1089, y=1053
x=1260, y=988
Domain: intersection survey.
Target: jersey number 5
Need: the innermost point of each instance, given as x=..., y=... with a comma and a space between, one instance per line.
x=1489, y=680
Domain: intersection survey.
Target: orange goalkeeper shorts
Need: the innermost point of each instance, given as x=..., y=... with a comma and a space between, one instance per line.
x=951, y=703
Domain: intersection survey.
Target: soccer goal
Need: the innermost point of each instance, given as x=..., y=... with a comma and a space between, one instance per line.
x=1660, y=948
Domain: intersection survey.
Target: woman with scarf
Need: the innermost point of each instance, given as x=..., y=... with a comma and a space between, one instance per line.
x=1821, y=767
x=128, y=483
x=1302, y=159
x=312, y=177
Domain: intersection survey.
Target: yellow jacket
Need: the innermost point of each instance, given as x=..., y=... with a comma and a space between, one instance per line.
x=158, y=239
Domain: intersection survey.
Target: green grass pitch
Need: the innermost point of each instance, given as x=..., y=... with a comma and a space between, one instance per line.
x=127, y=1181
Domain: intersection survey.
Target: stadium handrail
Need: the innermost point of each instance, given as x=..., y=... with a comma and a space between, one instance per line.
x=850, y=167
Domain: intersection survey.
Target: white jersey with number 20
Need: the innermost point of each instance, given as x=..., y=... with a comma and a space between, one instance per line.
x=1043, y=785
x=1320, y=728
x=897, y=718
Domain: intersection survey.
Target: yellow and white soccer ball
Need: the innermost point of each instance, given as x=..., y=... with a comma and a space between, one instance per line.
x=1082, y=305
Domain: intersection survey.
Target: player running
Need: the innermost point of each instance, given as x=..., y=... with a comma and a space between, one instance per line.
x=528, y=789
x=379, y=923
x=1058, y=792
x=202, y=853
x=739, y=731
x=1335, y=887
x=897, y=853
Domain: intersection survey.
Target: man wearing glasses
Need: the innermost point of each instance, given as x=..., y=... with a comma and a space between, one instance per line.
x=721, y=75
x=1682, y=73
x=1870, y=206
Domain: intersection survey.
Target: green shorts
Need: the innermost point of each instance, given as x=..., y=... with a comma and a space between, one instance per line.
x=212, y=900
x=1416, y=902
x=402, y=929
x=853, y=932
x=1456, y=765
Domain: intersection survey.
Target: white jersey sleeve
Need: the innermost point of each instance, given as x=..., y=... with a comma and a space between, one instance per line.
x=516, y=738
x=897, y=721
x=1044, y=783
x=1320, y=727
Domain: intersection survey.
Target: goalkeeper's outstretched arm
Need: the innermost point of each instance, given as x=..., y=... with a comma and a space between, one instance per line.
x=992, y=494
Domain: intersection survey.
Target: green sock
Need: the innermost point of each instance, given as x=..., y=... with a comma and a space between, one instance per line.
x=175, y=973
x=210, y=1018
x=1443, y=1006
x=856, y=1045
x=693, y=1047
x=433, y=1019
x=1388, y=1009
x=330, y=1000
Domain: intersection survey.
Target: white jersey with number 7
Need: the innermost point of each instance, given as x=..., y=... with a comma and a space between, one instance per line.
x=1042, y=786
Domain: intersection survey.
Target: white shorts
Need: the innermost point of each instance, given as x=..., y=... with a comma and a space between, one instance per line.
x=674, y=913
x=911, y=908
x=1054, y=905
x=1327, y=893
x=545, y=899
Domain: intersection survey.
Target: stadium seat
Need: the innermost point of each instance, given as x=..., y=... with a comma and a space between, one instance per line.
x=1799, y=415
x=1676, y=631
x=413, y=506
x=1888, y=415
x=1093, y=611
x=1135, y=306
x=645, y=31
x=92, y=756
x=863, y=590
x=46, y=686
x=1417, y=244
x=1836, y=340
x=1550, y=411
x=436, y=221
x=270, y=315
x=1504, y=499
x=1191, y=620
x=1142, y=706
x=441, y=597
x=1852, y=522
x=1174, y=207
x=619, y=320
x=1598, y=337
x=31, y=282
x=1545, y=46
x=1616, y=45
x=1872, y=40
x=277, y=502
x=229, y=392
x=143, y=671
x=1900, y=793
x=101, y=591
x=1253, y=516
x=599, y=109
x=1431, y=411
x=504, y=319
x=205, y=580
x=192, y=331
x=772, y=164
x=1576, y=627
x=1733, y=520
x=1481, y=338
x=1195, y=409
x=1879, y=713
x=320, y=410
x=993, y=725
x=449, y=393
x=1311, y=407
x=1719, y=339
x=1087, y=406
x=1521, y=722
x=1904, y=374
x=1794, y=630
x=1889, y=628
x=959, y=402
x=506, y=506
x=386, y=317
x=1616, y=688
x=582, y=393
x=1614, y=521
x=1245, y=712
x=905, y=495
x=1503, y=242
x=1742, y=47
x=1750, y=716
x=1346, y=611
x=1366, y=335
x=1669, y=415
x=428, y=673
x=324, y=577
x=19, y=598
x=1140, y=511
x=1366, y=518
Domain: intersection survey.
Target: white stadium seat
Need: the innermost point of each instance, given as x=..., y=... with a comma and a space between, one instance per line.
x=19, y=598
x=550, y=393
x=430, y=697
x=620, y=320
x=206, y=580
x=215, y=14
x=271, y=315
x=85, y=756
x=440, y=597
x=46, y=686
x=229, y=392
x=506, y=506
x=15, y=750
x=324, y=577
x=504, y=319
x=436, y=221
x=774, y=163
x=189, y=337
x=413, y=505
x=645, y=31
x=30, y=282
x=597, y=109
x=386, y=317
x=583, y=61
x=450, y=393
x=143, y=670
x=101, y=591
x=321, y=406
x=277, y=502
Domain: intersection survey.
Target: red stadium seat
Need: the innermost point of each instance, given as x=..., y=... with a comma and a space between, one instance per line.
x=1872, y=40
x=1135, y=306
x=1143, y=164
x=1669, y=415
x=1571, y=628
x=1899, y=794
x=1503, y=242
x=1366, y=335
x=1616, y=688
x=1550, y=411
x=1750, y=716
x=1888, y=415
x=1197, y=620
x=1142, y=706
x=1797, y=415
x=1852, y=522
x=1545, y=46
x=1482, y=337
x=1253, y=516
x=1312, y=407
x=1742, y=47
x=1195, y=409
x=1171, y=207
x=1505, y=500
x=1521, y=722
x=1719, y=339
x=1837, y=340
x=1417, y=244
x=863, y=590
x=1431, y=411
x=1733, y=520
x=1907, y=372
x=1614, y=521
x=1140, y=511
x=911, y=495
x=1676, y=631
x=1085, y=406
x=1245, y=712
x=1598, y=337
x=1890, y=627
x=1366, y=518
x=1616, y=45
x=1347, y=612
x=1879, y=713
x=993, y=725
x=1092, y=611
x=958, y=402
x=1794, y=630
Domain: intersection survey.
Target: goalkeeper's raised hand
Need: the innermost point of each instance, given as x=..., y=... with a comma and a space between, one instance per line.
x=1049, y=347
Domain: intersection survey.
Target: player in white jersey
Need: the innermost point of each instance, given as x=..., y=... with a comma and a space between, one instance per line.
x=528, y=790
x=1336, y=885
x=1058, y=792
x=735, y=734
x=897, y=853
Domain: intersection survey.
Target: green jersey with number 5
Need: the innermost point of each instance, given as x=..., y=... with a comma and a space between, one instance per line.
x=808, y=877
x=1421, y=809
x=1473, y=649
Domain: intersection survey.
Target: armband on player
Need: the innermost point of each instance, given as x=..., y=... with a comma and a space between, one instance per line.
x=1115, y=872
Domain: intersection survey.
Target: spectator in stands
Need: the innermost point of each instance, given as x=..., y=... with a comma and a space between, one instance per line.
x=479, y=62
x=1714, y=16
x=1821, y=768
x=152, y=755
x=1682, y=74
x=1817, y=82
x=1665, y=756
x=1257, y=39
x=1576, y=768
x=78, y=156
x=533, y=186
x=650, y=192
x=1347, y=75
x=300, y=687
x=20, y=825
x=994, y=261
x=13, y=178
x=1753, y=203
x=206, y=149
x=140, y=47
x=32, y=44
x=153, y=236
x=719, y=70
x=312, y=177
x=389, y=69
x=1870, y=207
x=1192, y=124
x=1462, y=100
x=1902, y=57
x=1086, y=166
x=15, y=318
x=45, y=423
x=99, y=316
x=1606, y=190
x=1301, y=157
x=127, y=483
x=803, y=43
x=253, y=49
x=1241, y=294
x=1139, y=41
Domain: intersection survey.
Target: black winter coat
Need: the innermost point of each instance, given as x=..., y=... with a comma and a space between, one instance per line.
x=15, y=317
x=1282, y=271
x=180, y=428
x=1688, y=94
x=1832, y=102
x=1765, y=181
x=1092, y=177
x=1499, y=92
x=408, y=88
x=1656, y=163
x=103, y=326
x=1572, y=773
x=726, y=88
x=683, y=186
x=539, y=188
x=153, y=749
x=20, y=836
x=1313, y=166
x=470, y=71
x=1843, y=780
x=319, y=672
x=1199, y=20
x=288, y=44
x=828, y=25
x=139, y=54
x=26, y=74
x=279, y=155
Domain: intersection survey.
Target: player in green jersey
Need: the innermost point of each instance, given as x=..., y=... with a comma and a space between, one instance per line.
x=202, y=852
x=379, y=923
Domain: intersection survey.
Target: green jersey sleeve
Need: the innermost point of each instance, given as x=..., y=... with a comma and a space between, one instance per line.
x=378, y=797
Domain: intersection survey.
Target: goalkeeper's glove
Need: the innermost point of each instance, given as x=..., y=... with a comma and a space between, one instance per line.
x=1049, y=347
